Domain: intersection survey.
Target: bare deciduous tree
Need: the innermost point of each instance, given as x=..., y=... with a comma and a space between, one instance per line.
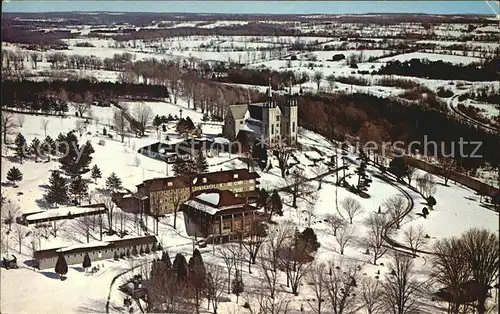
x=341, y=284
x=426, y=184
x=216, y=284
x=300, y=187
x=318, y=77
x=143, y=114
x=481, y=251
x=396, y=206
x=344, y=237
x=374, y=240
x=8, y=124
x=45, y=125
x=370, y=295
x=401, y=291
x=316, y=276
x=81, y=108
x=451, y=269
x=19, y=235
x=335, y=222
x=9, y=211
x=352, y=207
x=253, y=242
x=228, y=254
x=415, y=238
x=20, y=120
x=120, y=123
x=80, y=126
x=283, y=154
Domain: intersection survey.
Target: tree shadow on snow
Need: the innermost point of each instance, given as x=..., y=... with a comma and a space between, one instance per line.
x=78, y=269
x=30, y=263
x=44, y=186
x=50, y=274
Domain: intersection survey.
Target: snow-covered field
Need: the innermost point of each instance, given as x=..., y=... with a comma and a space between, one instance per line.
x=432, y=57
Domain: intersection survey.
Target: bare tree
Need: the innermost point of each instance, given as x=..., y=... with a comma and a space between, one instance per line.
x=401, y=291
x=331, y=80
x=344, y=237
x=109, y=205
x=396, y=206
x=352, y=207
x=374, y=240
x=448, y=165
x=19, y=235
x=83, y=225
x=283, y=154
x=216, y=284
x=335, y=222
x=426, y=185
x=318, y=77
x=341, y=284
x=8, y=124
x=410, y=174
x=81, y=108
x=316, y=275
x=300, y=187
x=228, y=254
x=269, y=255
x=177, y=197
x=80, y=126
x=20, y=120
x=319, y=171
x=120, y=122
x=370, y=295
x=35, y=58
x=9, y=211
x=143, y=114
x=415, y=238
x=253, y=242
x=294, y=261
x=451, y=269
x=481, y=251
x=45, y=125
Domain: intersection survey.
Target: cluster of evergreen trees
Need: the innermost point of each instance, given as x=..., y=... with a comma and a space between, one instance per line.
x=488, y=71
x=190, y=166
x=272, y=204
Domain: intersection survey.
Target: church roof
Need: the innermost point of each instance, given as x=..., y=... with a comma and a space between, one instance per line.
x=238, y=111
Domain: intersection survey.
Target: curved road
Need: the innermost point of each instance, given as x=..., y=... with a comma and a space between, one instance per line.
x=462, y=116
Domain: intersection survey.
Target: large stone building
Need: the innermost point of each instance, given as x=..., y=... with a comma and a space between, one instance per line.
x=269, y=122
x=161, y=196
x=220, y=214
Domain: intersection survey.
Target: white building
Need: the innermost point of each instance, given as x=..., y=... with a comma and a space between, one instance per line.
x=269, y=122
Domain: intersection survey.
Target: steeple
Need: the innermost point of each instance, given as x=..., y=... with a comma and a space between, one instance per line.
x=290, y=87
x=269, y=90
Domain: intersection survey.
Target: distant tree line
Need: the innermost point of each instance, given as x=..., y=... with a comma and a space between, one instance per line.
x=488, y=71
x=388, y=120
x=37, y=94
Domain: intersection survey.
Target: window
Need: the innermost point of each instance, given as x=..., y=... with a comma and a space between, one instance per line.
x=278, y=118
x=241, y=122
x=272, y=128
x=293, y=126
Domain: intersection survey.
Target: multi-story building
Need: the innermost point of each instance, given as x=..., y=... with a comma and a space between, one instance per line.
x=220, y=214
x=270, y=122
x=161, y=196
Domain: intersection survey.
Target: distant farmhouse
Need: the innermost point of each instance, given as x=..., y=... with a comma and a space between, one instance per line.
x=268, y=122
x=161, y=196
x=97, y=251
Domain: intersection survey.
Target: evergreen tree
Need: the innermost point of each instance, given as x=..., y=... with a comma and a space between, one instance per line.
x=237, y=285
x=113, y=183
x=86, y=261
x=310, y=238
x=78, y=188
x=189, y=123
x=21, y=147
x=14, y=175
x=141, y=251
x=165, y=258
x=86, y=157
x=201, y=162
x=61, y=266
x=398, y=167
x=184, y=167
x=35, y=148
x=179, y=267
x=134, y=251
x=157, y=121
x=58, y=191
x=75, y=160
x=147, y=250
x=48, y=147
x=196, y=262
x=276, y=203
x=104, y=132
x=95, y=173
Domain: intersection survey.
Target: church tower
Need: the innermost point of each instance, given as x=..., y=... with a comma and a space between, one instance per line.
x=289, y=127
x=271, y=129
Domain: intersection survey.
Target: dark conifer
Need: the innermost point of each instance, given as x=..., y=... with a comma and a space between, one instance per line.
x=61, y=266
x=14, y=175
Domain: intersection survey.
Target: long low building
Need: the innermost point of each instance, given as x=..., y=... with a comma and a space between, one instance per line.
x=97, y=251
x=63, y=213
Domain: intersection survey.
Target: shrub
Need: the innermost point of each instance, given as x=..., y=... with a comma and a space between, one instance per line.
x=141, y=251
x=431, y=201
x=134, y=251
x=115, y=257
x=444, y=93
x=101, y=142
x=246, y=305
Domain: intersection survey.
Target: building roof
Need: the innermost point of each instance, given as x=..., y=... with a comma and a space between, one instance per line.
x=216, y=201
x=238, y=111
x=89, y=247
x=66, y=211
x=160, y=184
